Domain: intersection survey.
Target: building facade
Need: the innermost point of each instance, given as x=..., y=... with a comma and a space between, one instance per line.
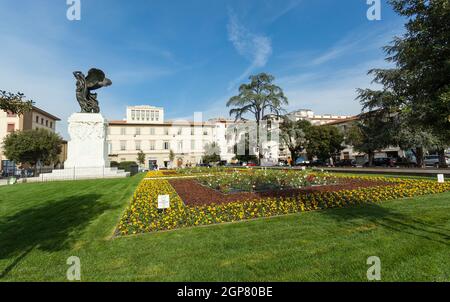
x=145, y=129
x=317, y=120
x=33, y=119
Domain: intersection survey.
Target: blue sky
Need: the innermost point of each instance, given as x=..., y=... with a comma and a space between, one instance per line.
x=191, y=55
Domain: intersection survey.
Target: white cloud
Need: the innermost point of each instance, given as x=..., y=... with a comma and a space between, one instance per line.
x=256, y=48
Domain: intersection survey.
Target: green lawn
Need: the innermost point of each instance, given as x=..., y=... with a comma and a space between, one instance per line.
x=41, y=225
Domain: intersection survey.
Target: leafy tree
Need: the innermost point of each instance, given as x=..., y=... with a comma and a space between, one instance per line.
x=294, y=136
x=369, y=134
x=14, y=102
x=141, y=158
x=410, y=136
x=258, y=98
x=324, y=141
x=212, y=153
x=32, y=146
x=420, y=81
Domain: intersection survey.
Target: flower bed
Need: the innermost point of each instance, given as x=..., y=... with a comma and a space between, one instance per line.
x=193, y=193
x=262, y=180
x=143, y=216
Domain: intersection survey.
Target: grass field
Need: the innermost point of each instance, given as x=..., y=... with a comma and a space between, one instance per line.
x=41, y=225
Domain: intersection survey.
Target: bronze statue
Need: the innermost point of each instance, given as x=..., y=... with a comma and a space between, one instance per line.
x=95, y=79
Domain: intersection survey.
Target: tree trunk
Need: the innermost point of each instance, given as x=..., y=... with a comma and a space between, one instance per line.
x=293, y=156
x=258, y=142
x=419, y=157
x=371, y=156
x=442, y=161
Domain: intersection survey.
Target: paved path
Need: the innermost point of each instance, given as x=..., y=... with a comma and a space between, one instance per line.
x=400, y=171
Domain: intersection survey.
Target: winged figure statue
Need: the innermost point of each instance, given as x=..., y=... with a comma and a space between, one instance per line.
x=85, y=85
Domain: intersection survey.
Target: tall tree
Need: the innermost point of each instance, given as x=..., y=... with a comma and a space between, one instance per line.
x=420, y=81
x=14, y=102
x=324, y=142
x=32, y=146
x=258, y=98
x=408, y=135
x=294, y=136
x=368, y=135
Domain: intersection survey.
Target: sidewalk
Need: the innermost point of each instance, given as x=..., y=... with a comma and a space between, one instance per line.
x=399, y=171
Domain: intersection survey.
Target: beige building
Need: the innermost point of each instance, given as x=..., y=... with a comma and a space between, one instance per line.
x=145, y=129
x=309, y=115
x=34, y=119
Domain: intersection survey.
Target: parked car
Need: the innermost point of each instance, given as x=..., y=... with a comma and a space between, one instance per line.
x=301, y=161
x=383, y=162
x=251, y=164
x=433, y=160
x=318, y=163
x=346, y=163
x=204, y=165
x=282, y=163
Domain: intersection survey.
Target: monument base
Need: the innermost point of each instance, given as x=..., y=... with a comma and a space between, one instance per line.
x=87, y=151
x=87, y=147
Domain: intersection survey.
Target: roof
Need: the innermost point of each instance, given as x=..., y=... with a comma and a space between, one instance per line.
x=46, y=113
x=168, y=123
x=343, y=121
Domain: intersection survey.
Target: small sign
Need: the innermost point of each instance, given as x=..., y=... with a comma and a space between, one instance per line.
x=163, y=201
x=441, y=179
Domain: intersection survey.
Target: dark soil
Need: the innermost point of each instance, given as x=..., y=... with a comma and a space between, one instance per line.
x=193, y=193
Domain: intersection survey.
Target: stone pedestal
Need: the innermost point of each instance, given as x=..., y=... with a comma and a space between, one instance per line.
x=87, y=151
x=88, y=147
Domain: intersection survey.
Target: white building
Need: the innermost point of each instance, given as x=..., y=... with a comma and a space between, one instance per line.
x=145, y=129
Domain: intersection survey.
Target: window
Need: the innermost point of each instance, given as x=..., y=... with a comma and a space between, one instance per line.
x=42, y=121
x=166, y=131
x=138, y=115
x=46, y=123
x=166, y=145
x=51, y=124
x=138, y=145
x=147, y=115
x=138, y=131
x=133, y=114
x=37, y=119
x=179, y=131
x=180, y=146
x=152, y=131
x=205, y=132
x=11, y=128
x=192, y=144
x=153, y=115
x=123, y=131
x=192, y=130
x=123, y=145
x=152, y=145
x=109, y=147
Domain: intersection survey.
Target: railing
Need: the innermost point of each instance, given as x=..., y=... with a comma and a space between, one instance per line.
x=45, y=174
